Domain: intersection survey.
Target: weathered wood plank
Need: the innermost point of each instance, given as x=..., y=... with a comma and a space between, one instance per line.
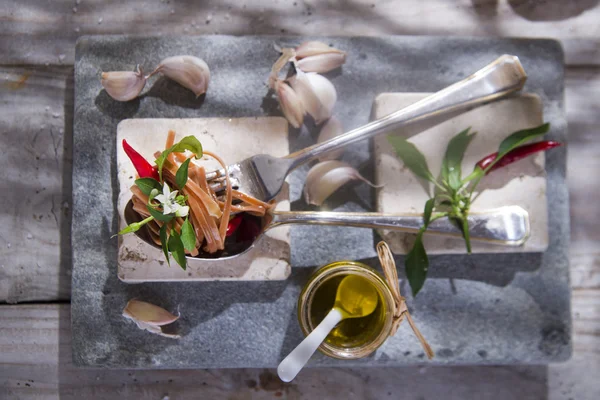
x=40, y=32
x=582, y=100
x=35, y=129
x=35, y=358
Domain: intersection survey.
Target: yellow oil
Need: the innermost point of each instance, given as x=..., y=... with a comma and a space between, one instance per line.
x=352, y=332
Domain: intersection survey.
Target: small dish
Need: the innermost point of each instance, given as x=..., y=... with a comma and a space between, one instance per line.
x=353, y=338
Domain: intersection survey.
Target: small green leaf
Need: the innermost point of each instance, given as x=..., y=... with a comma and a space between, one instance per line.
x=187, y=143
x=428, y=210
x=176, y=249
x=182, y=174
x=147, y=184
x=451, y=165
x=188, y=236
x=411, y=157
x=157, y=214
x=520, y=137
x=416, y=264
x=164, y=241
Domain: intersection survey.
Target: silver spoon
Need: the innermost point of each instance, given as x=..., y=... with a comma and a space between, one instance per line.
x=508, y=225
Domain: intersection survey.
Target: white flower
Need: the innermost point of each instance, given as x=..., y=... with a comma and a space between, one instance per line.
x=182, y=211
x=169, y=203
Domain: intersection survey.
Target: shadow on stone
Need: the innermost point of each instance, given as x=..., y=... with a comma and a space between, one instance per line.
x=174, y=94
x=551, y=10
x=116, y=109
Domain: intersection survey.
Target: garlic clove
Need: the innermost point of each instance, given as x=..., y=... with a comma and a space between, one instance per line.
x=123, y=85
x=146, y=313
x=326, y=177
x=332, y=128
x=326, y=94
x=189, y=71
x=308, y=96
x=321, y=63
x=313, y=47
x=158, y=330
x=290, y=103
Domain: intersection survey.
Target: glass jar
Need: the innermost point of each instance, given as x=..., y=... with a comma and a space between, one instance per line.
x=354, y=337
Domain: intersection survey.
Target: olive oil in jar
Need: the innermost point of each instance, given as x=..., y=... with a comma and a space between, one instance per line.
x=352, y=332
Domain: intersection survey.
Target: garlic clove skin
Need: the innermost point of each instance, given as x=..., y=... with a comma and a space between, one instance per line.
x=290, y=103
x=189, y=71
x=326, y=177
x=332, y=128
x=313, y=48
x=123, y=85
x=287, y=54
x=321, y=63
x=326, y=93
x=145, y=313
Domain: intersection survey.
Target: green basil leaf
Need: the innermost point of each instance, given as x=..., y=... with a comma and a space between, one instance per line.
x=520, y=137
x=164, y=242
x=451, y=165
x=412, y=158
x=176, y=249
x=416, y=264
x=188, y=236
x=157, y=214
x=182, y=174
x=147, y=184
x=187, y=143
x=428, y=210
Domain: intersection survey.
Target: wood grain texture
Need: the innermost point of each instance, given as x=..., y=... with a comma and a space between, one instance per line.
x=35, y=357
x=35, y=129
x=35, y=363
x=582, y=101
x=40, y=32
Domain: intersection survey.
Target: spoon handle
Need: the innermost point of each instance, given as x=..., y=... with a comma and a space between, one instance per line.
x=293, y=363
x=508, y=225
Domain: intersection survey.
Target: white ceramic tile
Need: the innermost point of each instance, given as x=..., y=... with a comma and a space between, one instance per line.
x=522, y=183
x=233, y=140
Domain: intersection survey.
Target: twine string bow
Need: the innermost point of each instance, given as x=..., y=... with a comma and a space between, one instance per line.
x=386, y=258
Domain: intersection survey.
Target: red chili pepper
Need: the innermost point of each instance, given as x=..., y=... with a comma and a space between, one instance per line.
x=249, y=230
x=142, y=166
x=234, y=224
x=516, y=154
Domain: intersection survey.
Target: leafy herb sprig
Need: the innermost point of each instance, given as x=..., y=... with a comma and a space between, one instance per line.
x=453, y=194
x=167, y=206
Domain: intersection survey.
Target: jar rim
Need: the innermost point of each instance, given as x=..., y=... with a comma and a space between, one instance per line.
x=345, y=268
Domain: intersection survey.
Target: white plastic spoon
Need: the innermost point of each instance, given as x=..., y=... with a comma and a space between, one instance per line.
x=355, y=298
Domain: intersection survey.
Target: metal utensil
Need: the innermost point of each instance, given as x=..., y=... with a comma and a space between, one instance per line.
x=507, y=225
x=262, y=176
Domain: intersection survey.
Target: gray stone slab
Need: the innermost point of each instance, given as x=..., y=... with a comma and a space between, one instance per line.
x=484, y=308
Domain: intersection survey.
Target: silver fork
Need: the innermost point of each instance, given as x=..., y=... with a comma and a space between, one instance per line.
x=262, y=176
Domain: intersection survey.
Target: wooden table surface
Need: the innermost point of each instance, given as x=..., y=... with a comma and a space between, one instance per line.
x=36, y=98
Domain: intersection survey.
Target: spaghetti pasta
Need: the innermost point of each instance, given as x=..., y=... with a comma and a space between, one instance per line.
x=209, y=214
